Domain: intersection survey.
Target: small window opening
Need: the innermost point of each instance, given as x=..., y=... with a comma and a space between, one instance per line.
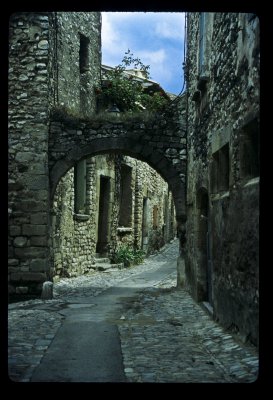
x=219, y=175
x=250, y=150
x=84, y=54
x=80, y=187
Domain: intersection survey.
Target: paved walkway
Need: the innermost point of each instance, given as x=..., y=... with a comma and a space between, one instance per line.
x=165, y=336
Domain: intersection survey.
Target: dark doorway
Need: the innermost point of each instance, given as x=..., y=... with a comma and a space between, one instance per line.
x=204, y=246
x=145, y=223
x=104, y=220
x=126, y=196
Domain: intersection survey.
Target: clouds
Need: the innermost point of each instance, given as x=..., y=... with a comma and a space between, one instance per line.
x=156, y=56
x=166, y=29
x=157, y=38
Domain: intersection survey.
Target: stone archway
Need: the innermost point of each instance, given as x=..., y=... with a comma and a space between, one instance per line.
x=124, y=146
x=160, y=143
x=133, y=148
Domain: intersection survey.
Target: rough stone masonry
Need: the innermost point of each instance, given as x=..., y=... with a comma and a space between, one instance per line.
x=55, y=61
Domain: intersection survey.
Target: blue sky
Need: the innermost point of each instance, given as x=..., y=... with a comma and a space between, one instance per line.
x=157, y=38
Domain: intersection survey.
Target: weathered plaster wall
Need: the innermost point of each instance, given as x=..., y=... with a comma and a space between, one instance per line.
x=219, y=113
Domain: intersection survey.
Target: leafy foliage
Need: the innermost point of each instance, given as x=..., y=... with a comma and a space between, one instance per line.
x=128, y=256
x=128, y=93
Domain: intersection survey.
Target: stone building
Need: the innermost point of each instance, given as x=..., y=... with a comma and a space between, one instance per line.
x=55, y=65
x=106, y=202
x=222, y=250
x=54, y=59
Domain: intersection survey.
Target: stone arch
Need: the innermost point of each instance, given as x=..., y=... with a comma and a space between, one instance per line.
x=131, y=147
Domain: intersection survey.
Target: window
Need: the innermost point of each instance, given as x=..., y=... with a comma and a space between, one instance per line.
x=84, y=54
x=219, y=175
x=80, y=187
x=250, y=150
x=125, y=205
x=223, y=179
x=200, y=96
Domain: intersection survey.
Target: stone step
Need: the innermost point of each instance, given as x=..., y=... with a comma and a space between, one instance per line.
x=101, y=255
x=119, y=265
x=102, y=260
x=103, y=266
x=108, y=266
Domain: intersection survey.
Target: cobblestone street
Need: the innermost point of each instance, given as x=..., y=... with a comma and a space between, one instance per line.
x=165, y=336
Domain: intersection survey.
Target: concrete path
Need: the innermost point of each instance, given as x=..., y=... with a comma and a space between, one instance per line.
x=87, y=345
x=129, y=325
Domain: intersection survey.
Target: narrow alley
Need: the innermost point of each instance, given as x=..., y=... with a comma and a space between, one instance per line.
x=130, y=325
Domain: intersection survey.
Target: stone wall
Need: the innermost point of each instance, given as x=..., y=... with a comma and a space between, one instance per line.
x=43, y=72
x=54, y=64
x=75, y=38
x=75, y=237
x=223, y=168
x=159, y=140
x=28, y=159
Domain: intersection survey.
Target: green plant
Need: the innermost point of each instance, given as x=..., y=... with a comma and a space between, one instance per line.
x=128, y=256
x=64, y=114
x=139, y=256
x=128, y=93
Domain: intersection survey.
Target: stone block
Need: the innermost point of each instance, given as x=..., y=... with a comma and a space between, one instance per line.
x=40, y=241
x=39, y=265
x=22, y=289
x=31, y=206
x=41, y=195
x=15, y=277
x=20, y=241
x=11, y=289
x=37, y=168
x=24, y=269
x=47, y=291
x=43, y=44
x=33, y=276
x=15, y=230
x=34, y=230
x=38, y=219
x=15, y=186
x=38, y=182
x=11, y=253
x=12, y=270
x=30, y=252
x=13, y=262
x=24, y=156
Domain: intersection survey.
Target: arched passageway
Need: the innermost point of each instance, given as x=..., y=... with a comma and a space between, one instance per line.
x=162, y=149
x=162, y=152
x=107, y=203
